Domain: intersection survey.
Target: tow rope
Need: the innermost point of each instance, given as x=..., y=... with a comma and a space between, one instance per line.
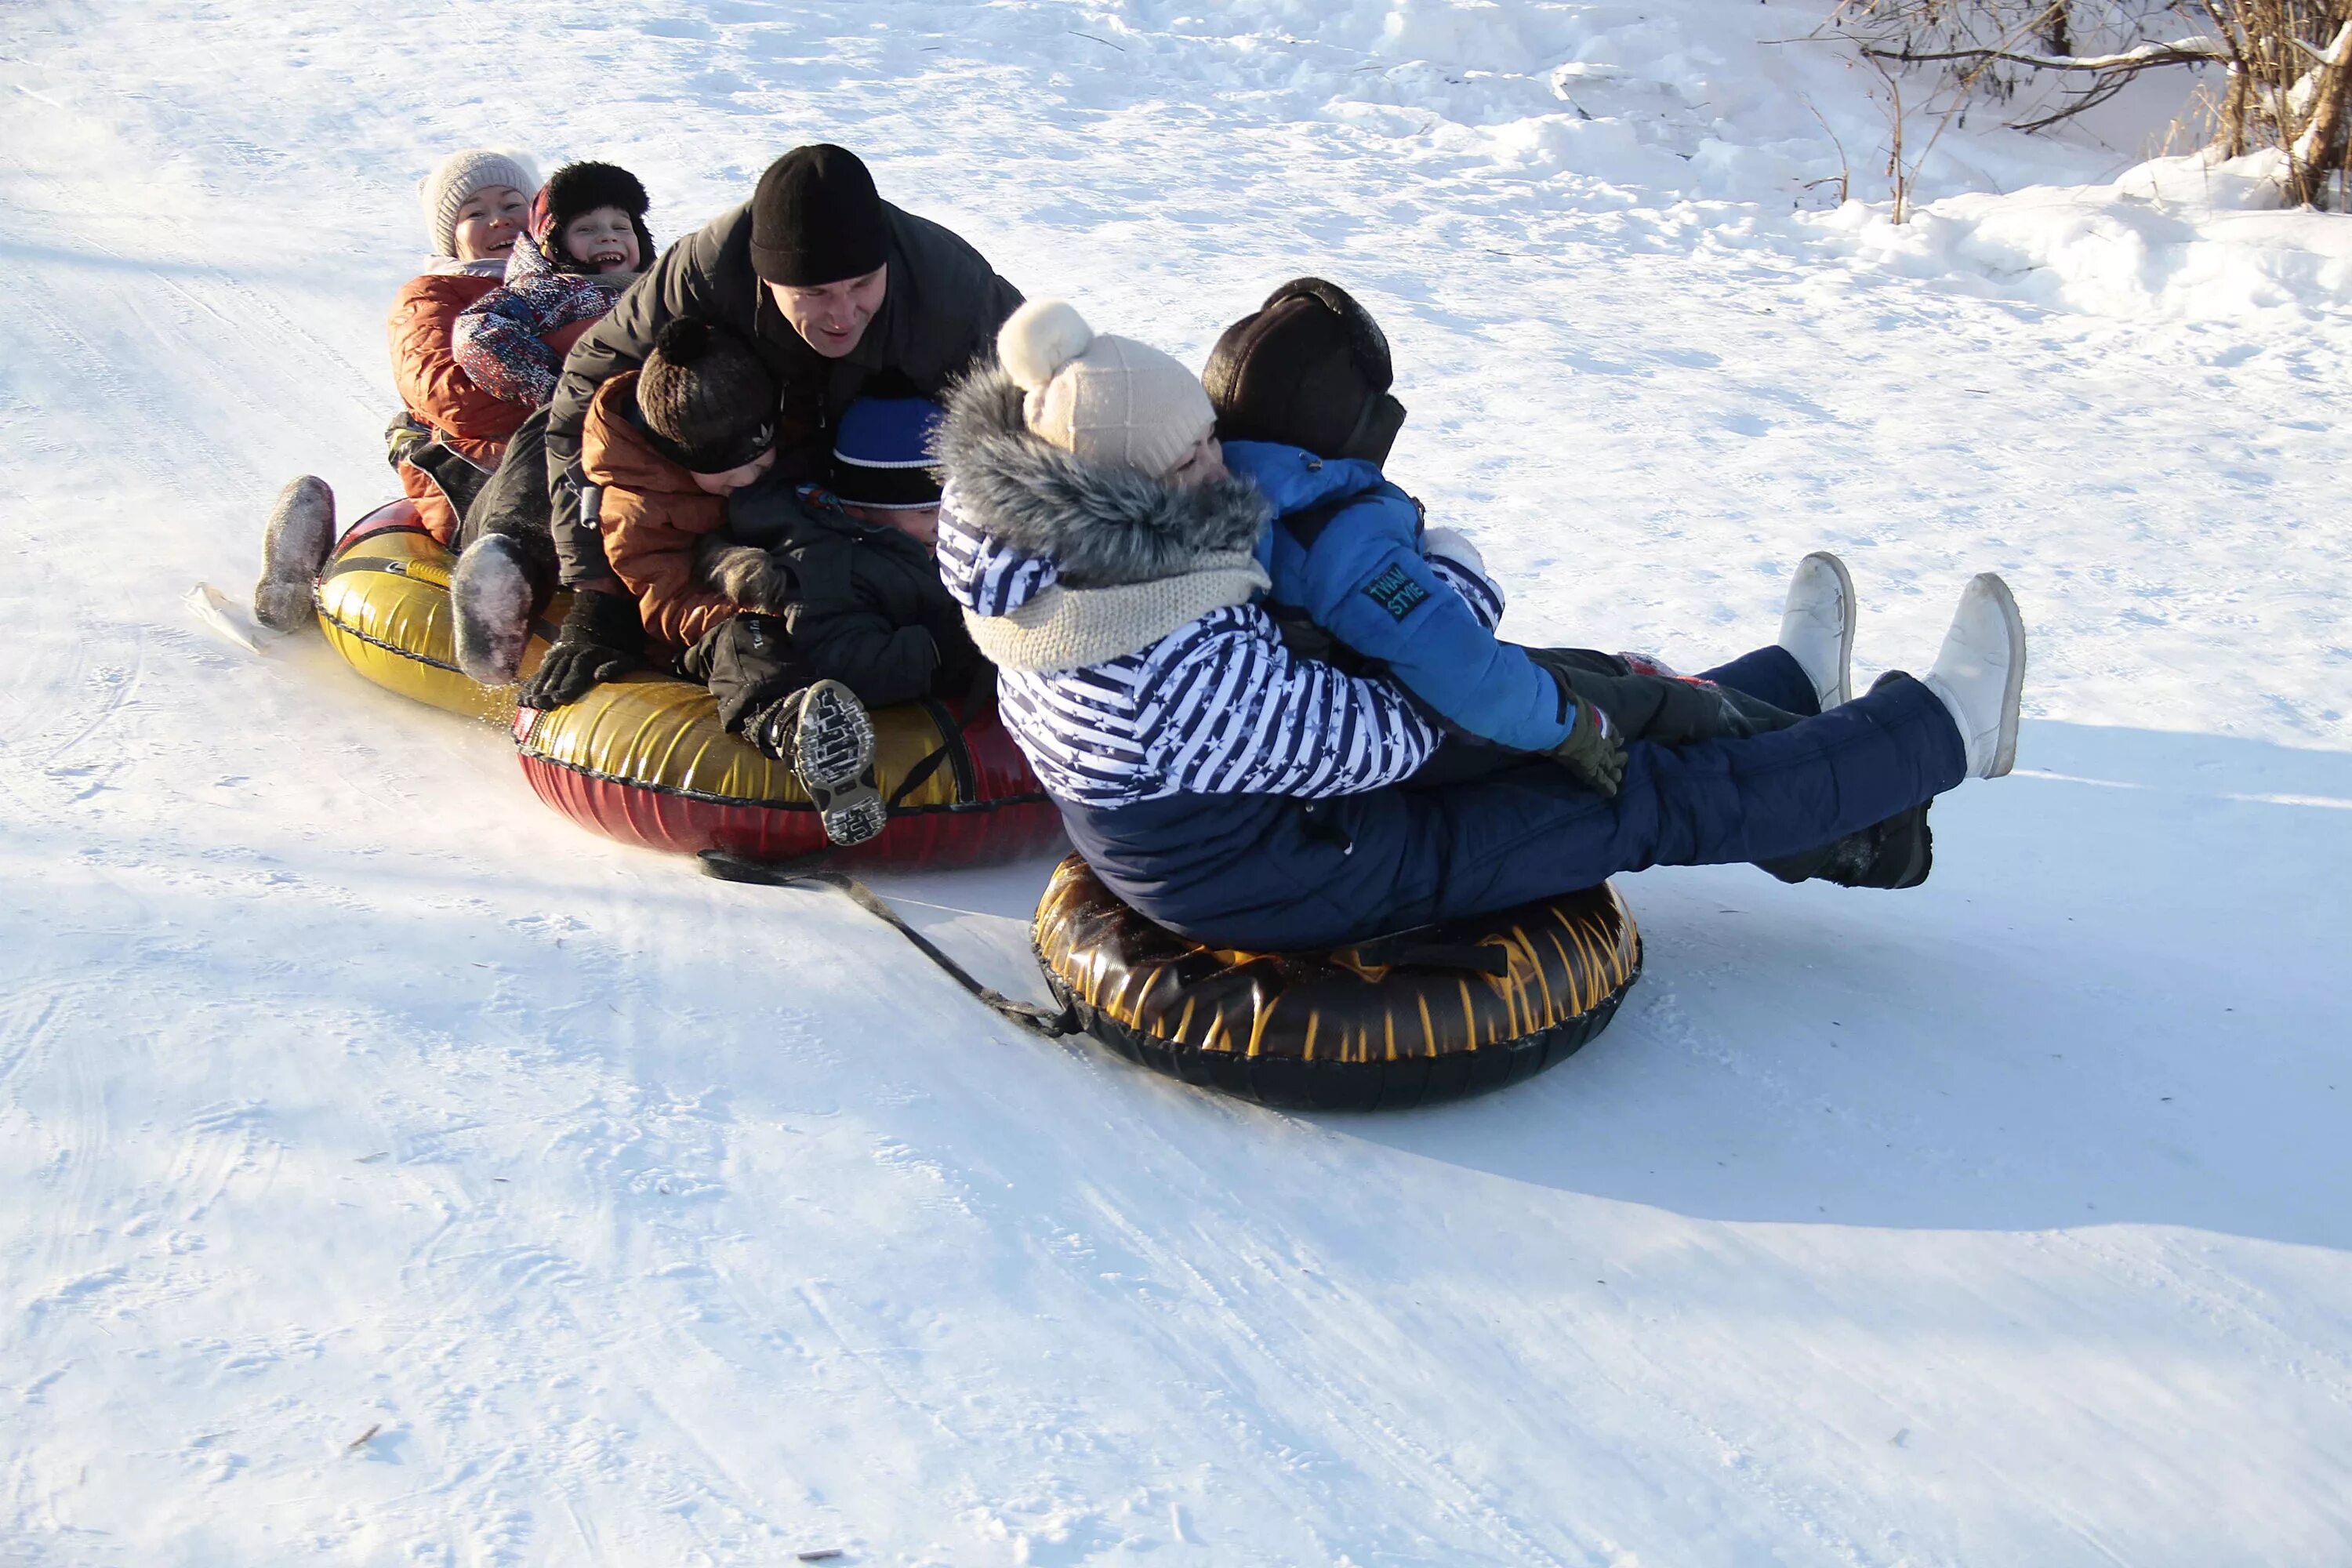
x=810, y=871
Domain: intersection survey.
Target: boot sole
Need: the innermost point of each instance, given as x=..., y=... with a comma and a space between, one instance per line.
x=1845, y=634
x=2004, y=755
x=1844, y=692
x=833, y=752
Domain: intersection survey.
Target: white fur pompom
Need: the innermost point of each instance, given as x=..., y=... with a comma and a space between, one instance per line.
x=1039, y=339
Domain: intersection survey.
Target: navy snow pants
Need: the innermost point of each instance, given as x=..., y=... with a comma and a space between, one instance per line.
x=1272, y=872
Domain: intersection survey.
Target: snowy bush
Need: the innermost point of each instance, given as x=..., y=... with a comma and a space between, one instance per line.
x=2285, y=65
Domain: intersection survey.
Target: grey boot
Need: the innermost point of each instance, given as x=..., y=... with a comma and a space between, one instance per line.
x=294, y=549
x=489, y=604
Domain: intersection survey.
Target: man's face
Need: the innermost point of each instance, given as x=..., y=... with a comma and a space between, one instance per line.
x=832, y=317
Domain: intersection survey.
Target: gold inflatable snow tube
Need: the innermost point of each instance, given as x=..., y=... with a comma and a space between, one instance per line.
x=384, y=604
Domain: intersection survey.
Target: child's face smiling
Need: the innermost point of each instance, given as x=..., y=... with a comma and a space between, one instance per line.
x=603, y=240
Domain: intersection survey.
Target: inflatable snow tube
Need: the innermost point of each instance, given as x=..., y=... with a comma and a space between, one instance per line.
x=383, y=603
x=645, y=760
x=1434, y=1015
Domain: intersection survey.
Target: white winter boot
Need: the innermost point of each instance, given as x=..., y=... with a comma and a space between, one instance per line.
x=1817, y=629
x=490, y=605
x=294, y=548
x=1980, y=674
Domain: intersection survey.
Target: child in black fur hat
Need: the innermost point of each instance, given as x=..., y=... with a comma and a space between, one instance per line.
x=587, y=242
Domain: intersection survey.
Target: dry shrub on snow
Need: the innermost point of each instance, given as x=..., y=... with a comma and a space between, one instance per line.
x=2287, y=65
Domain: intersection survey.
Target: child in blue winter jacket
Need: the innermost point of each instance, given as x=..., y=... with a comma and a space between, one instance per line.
x=1235, y=790
x=1301, y=390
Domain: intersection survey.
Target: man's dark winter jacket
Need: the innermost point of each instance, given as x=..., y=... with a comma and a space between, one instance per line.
x=941, y=313
x=864, y=607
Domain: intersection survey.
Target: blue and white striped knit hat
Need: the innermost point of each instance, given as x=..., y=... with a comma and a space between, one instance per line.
x=882, y=453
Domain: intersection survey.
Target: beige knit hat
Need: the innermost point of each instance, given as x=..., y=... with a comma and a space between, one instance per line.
x=454, y=181
x=1098, y=397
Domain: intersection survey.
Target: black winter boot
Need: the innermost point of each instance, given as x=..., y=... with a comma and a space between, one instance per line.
x=1897, y=853
x=825, y=736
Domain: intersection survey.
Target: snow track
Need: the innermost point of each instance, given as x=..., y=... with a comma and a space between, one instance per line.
x=402, y=1176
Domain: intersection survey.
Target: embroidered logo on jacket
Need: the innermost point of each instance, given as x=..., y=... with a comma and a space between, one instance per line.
x=1394, y=591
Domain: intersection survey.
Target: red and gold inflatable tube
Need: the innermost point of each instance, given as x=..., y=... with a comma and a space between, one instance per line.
x=645, y=760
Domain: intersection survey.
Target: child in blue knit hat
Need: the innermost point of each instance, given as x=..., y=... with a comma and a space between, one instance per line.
x=852, y=614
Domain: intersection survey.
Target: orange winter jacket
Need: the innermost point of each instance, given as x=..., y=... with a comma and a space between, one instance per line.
x=468, y=420
x=437, y=392
x=653, y=519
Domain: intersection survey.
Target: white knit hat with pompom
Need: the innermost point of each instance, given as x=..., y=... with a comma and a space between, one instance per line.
x=1102, y=398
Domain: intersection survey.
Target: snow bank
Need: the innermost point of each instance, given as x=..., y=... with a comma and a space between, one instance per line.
x=2193, y=238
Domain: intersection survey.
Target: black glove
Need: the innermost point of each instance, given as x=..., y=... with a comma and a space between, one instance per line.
x=601, y=639
x=747, y=661
x=1671, y=710
x=1591, y=753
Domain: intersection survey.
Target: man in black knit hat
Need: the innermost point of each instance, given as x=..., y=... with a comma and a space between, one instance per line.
x=833, y=286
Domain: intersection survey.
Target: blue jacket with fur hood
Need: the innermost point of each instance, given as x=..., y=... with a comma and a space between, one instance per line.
x=1347, y=554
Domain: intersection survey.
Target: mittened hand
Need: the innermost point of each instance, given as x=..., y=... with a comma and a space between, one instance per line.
x=602, y=640
x=1451, y=544
x=402, y=439
x=1590, y=754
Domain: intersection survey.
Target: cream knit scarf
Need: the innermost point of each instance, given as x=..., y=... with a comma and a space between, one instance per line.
x=1067, y=628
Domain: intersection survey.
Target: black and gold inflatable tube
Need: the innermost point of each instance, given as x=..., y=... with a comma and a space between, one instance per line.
x=1453, y=1010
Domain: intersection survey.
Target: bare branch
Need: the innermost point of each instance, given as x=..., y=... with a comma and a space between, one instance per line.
x=2184, y=52
x=2332, y=55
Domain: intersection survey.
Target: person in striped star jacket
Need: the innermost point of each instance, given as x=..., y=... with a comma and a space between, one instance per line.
x=1244, y=795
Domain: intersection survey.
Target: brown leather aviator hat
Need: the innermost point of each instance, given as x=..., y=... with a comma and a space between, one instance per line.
x=1308, y=368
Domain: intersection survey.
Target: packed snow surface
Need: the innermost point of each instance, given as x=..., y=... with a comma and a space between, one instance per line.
x=396, y=1174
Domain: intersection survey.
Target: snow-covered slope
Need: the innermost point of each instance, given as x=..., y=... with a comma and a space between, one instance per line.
x=629, y=1218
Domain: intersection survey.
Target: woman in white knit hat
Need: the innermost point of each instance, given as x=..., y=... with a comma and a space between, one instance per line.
x=1247, y=796
x=450, y=433
x=476, y=205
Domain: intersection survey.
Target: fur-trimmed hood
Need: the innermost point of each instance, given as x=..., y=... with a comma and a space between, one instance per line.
x=1102, y=526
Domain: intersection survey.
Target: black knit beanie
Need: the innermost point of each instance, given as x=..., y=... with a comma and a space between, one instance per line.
x=577, y=189
x=1308, y=368
x=816, y=219
x=707, y=403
